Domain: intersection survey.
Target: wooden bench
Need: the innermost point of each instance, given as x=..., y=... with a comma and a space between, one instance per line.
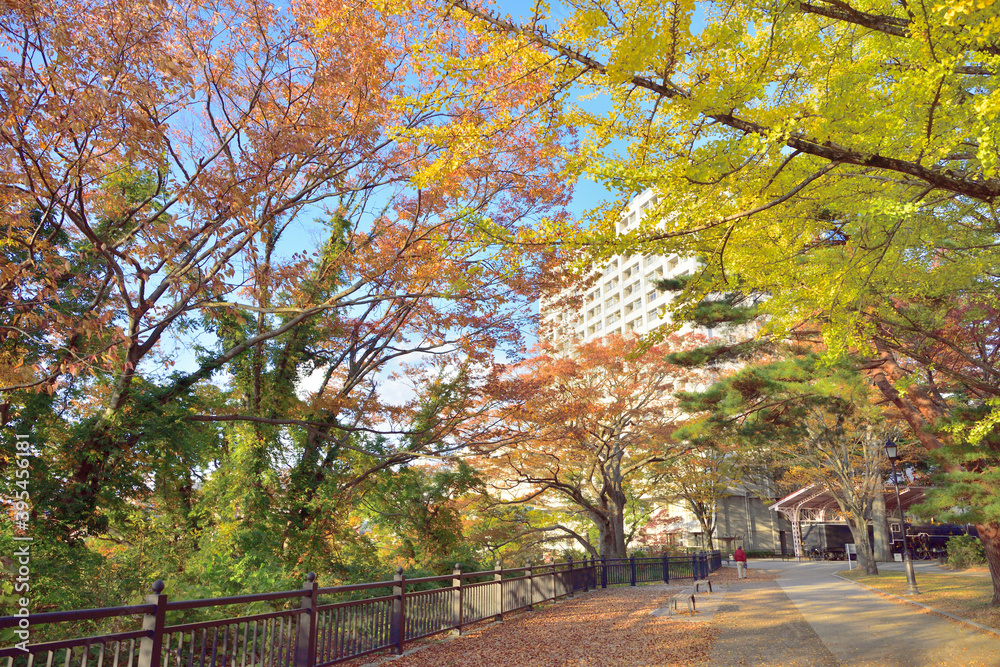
x=702, y=583
x=686, y=595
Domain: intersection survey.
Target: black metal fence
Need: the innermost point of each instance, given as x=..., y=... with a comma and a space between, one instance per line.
x=315, y=634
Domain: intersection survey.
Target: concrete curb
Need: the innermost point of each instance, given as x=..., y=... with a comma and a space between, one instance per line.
x=923, y=606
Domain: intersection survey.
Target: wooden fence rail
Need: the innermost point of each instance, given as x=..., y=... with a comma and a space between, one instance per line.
x=317, y=635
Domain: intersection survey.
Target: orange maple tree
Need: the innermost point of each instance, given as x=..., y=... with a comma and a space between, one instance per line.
x=323, y=186
x=593, y=427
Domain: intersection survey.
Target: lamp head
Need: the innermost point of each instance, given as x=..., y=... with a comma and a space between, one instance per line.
x=891, y=449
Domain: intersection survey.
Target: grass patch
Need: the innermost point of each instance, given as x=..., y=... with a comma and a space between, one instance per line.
x=963, y=596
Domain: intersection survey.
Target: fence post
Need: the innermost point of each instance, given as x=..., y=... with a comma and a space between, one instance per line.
x=397, y=624
x=498, y=578
x=531, y=588
x=457, y=609
x=150, y=646
x=569, y=588
x=694, y=566
x=305, y=641
x=666, y=568
x=604, y=572
x=551, y=579
x=592, y=572
x=632, y=563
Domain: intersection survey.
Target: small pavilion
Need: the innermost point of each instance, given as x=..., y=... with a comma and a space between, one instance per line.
x=816, y=504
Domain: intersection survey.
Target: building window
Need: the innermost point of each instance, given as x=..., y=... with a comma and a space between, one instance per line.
x=651, y=296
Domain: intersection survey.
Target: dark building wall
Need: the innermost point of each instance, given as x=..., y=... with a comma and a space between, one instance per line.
x=747, y=517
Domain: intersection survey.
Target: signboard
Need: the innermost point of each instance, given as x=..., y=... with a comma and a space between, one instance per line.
x=852, y=554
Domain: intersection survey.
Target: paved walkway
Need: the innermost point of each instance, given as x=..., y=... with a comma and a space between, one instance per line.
x=759, y=625
x=818, y=619
x=800, y=615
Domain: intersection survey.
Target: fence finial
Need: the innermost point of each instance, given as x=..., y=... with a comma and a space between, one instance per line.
x=311, y=577
x=153, y=622
x=399, y=570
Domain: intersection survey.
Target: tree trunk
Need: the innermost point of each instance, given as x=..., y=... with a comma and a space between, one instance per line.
x=989, y=535
x=880, y=524
x=859, y=530
x=612, y=542
x=708, y=529
x=611, y=527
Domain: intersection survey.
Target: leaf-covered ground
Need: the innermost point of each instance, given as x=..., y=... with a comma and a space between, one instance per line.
x=606, y=628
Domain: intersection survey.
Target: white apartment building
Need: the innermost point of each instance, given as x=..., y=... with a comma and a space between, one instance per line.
x=624, y=298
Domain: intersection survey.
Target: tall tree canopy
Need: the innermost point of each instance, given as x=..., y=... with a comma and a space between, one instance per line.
x=263, y=194
x=841, y=157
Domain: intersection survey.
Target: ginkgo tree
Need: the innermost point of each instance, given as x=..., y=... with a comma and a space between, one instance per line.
x=841, y=157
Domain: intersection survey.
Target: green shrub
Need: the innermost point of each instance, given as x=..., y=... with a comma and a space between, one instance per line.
x=965, y=550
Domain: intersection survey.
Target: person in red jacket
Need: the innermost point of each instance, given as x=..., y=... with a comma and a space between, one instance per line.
x=741, y=562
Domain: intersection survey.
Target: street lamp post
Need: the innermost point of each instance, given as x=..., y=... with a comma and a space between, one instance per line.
x=911, y=579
